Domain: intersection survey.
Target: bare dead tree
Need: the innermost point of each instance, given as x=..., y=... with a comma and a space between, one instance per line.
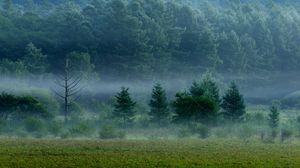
x=69, y=84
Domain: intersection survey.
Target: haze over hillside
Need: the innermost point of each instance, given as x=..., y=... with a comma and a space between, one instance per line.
x=253, y=42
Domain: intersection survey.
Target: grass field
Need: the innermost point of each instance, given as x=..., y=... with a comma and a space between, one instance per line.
x=130, y=153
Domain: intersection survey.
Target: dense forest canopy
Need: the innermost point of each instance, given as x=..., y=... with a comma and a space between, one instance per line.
x=151, y=39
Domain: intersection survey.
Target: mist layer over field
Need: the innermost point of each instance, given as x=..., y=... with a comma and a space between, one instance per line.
x=150, y=69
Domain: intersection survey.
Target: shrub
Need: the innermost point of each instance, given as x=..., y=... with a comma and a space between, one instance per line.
x=109, y=132
x=55, y=127
x=34, y=125
x=80, y=129
x=286, y=134
x=199, y=129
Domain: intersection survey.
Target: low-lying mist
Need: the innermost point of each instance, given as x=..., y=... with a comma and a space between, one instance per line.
x=92, y=114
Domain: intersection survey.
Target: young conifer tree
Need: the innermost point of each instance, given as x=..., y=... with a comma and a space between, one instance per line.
x=159, y=105
x=233, y=103
x=124, y=108
x=274, y=116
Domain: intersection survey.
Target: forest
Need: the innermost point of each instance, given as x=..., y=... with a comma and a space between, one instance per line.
x=114, y=74
x=150, y=39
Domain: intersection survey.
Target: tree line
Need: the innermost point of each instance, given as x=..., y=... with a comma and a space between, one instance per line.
x=150, y=39
x=201, y=104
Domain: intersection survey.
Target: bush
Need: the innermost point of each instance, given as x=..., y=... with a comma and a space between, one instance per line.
x=80, y=129
x=34, y=125
x=109, y=132
x=55, y=128
x=286, y=134
x=202, y=130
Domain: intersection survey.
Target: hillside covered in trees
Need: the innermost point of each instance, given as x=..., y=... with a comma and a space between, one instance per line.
x=150, y=39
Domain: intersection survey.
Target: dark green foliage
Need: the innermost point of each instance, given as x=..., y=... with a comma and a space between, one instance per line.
x=210, y=88
x=21, y=107
x=29, y=106
x=124, y=107
x=207, y=87
x=8, y=103
x=153, y=39
x=196, y=89
x=200, y=104
x=159, y=105
x=273, y=116
x=189, y=108
x=233, y=104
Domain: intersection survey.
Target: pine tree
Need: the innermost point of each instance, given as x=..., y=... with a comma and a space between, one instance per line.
x=210, y=88
x=207, y=87
x=124, y=107
x=196, y=89
x=159, y=106
x=233, y=103
x=274, y=116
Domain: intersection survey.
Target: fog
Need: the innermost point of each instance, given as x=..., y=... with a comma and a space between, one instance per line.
x=144, y=69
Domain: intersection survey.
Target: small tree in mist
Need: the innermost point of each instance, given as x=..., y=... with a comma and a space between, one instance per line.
x=207, y=87
x=210, y=88
x=233, y=103
x=124, y=107
x=274, y=118
x=159, y=106
x=196, y=89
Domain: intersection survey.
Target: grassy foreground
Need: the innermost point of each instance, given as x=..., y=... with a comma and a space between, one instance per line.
x=129, y=153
